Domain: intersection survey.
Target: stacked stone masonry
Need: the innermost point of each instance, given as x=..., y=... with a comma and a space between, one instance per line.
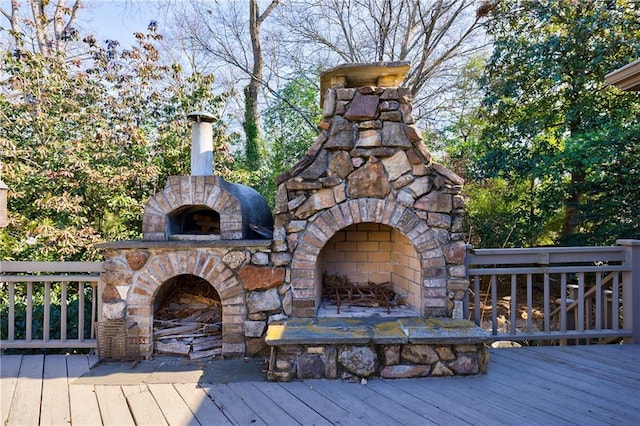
x=250, y=285
x=370, y=165
x=366, y=201
x=352, y=362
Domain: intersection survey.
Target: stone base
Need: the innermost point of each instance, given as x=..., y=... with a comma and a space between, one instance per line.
x=390, y=348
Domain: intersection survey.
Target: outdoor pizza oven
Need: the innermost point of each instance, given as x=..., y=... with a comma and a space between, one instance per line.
x=204, y=206
x=205, y=247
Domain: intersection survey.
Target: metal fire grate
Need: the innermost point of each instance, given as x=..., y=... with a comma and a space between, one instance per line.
x=118, y=340
x=340, y=290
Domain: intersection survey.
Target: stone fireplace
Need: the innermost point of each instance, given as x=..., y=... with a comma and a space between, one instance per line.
x=366, y=204
x=367, y=201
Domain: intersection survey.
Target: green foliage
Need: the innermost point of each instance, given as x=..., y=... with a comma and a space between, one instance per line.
x=499, y=215
x=254, y=150
x=289, y=129
x=86, y=143
x=553, y=126
x=613, y=204
x=289, y=125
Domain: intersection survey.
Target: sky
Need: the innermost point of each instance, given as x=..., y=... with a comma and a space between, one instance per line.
x=109, y=19
x=119, y=19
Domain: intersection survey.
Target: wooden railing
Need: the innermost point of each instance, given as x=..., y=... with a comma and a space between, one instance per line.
x=560, y=294
x=49, y=304
x=557, y=294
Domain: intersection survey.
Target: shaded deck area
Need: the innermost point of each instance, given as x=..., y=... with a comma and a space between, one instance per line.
x=555, y=385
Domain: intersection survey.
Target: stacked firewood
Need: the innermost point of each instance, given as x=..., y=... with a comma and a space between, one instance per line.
x=339, y=290
x=189, y=325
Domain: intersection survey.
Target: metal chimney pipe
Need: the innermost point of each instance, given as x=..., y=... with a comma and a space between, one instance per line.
x=201, y=143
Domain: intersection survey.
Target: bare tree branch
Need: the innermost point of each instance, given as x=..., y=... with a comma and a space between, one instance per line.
x=40, y=22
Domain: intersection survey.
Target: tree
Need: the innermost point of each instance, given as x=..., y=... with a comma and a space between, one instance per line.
x=305, y=37
x=50, y=25
x=437, y=37
x=552, y=125
x=221, y=31
x=287, y=129
x=85, y=146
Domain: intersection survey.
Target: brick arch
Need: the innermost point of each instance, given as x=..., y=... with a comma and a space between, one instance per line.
x=426, y=241
x=183, y=191
x=162, y=267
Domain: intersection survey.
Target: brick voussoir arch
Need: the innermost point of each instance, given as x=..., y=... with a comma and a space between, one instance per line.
x=173, y=197
x=164, y=266
x=363, y=210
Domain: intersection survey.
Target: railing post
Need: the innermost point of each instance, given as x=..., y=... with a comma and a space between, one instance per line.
x=465, y=306
x=98, y=294
x=631, y=289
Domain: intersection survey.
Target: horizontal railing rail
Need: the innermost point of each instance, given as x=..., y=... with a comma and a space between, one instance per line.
x=48, y=305
x=583, y=294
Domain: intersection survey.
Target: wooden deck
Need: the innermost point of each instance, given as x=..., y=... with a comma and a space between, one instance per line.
x=552, y=385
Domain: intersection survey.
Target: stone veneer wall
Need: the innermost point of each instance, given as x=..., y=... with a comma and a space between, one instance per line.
x=394, y=361
x=367, y=166
x=247, y=278
x=370, y=165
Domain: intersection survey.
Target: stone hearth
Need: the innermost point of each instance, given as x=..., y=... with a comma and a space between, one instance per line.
x=333, y=348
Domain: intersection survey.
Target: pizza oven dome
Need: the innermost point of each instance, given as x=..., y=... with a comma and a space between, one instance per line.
x=206, y=208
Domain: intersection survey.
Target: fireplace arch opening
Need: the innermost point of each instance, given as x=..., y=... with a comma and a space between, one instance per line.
x=187, y=318
x=369, y=269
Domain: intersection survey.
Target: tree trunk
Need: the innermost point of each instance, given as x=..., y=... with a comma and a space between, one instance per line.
x=253, y=144
x=572, y=205
x=48, y=40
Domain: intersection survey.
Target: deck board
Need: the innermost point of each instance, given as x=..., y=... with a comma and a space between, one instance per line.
x=25, y=407
x=588, y=381
x=601, y=370
x=538, y=397
x=269, y=412
x=175, y=410
x=428, y=409
x=536, y=385
x=54, y=409
x=227, y=402
x=483, y=407
x=202, y=407
x=620, y=352
x=9, y=370
x=320, y=404
x=568, y=385
x=143, y=406
x=294, y=407
x=83, y=401
x=376, y=402
x=561, y=401
x=77, y=365
x=113, y=406
x=352, y=398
